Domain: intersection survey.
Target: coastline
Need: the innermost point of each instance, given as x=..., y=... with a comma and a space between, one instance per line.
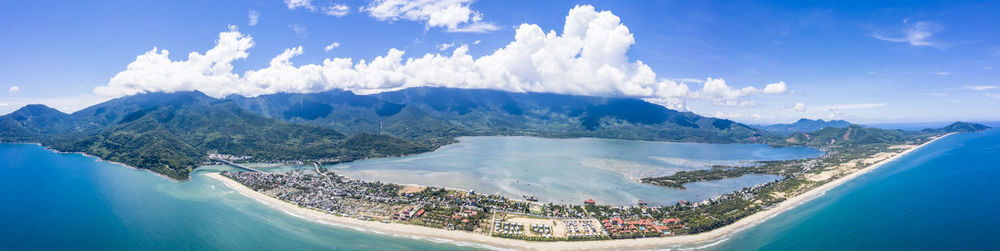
x=98, y=159
x=420, y=232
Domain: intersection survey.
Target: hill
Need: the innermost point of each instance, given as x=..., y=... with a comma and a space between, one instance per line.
x=958, y=127
x=850, y=135
x=173, y=133
x=802, y=125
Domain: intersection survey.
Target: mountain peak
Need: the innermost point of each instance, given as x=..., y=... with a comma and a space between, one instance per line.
x=960, y=126
x=37, y=109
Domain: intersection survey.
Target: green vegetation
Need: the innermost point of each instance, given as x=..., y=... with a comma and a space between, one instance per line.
x=436, y=115
x=172, y=134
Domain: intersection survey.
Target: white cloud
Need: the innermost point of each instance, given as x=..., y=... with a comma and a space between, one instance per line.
x=477, y=42
x=916, y=34
x=331, y=46
x=334, y=9
x=799, y=107
x=442, y=47
x=588, y=58
x=298, y=29
x=849, y=106
x=942, y=73
x=993, y=95
x=455, y=15
x=718, y=91
x=210, y=72
x=338, y=10
x=295, y=4
x=254, y=17
x=980, y=87
x=13, y=89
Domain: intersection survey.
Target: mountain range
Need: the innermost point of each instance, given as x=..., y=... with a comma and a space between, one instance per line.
x=172, y=133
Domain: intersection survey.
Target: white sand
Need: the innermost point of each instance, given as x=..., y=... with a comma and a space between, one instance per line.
x=467, y=237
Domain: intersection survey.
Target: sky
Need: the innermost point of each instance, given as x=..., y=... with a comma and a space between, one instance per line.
x=753, y=62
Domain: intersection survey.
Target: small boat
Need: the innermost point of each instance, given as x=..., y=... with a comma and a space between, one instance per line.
x=530, y=198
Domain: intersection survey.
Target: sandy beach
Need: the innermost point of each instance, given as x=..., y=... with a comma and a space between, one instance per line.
x=474, y=238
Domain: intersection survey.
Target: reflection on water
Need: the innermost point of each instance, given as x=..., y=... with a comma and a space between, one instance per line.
x=572, y=170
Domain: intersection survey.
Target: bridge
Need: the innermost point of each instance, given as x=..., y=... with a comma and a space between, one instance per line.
x=238, y=165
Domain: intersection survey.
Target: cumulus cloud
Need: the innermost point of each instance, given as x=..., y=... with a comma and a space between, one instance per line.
x=799, y=107
x=254, y=17
x=13, y=89
x=331, y=46
x=916, y=34
x=718, y=91
x=454, y=15
x=210, y=72
x=589, y=57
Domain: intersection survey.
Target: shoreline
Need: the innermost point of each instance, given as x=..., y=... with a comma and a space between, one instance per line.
x=420, y=232
x=99, y=159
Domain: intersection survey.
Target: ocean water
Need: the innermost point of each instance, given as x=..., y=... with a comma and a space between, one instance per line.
x=945, y=196
x=569, y=171
x=53, y=201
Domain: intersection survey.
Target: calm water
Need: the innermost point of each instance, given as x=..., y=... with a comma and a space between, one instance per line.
x=572, y=170
x=943, y=196
x=940, y=197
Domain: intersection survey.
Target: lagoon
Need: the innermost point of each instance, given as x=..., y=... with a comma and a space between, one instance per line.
x=569, y=171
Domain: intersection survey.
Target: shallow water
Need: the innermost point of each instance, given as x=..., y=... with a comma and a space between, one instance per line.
x=572, y=170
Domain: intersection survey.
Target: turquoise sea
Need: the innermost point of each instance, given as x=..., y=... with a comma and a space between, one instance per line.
x=940, y=197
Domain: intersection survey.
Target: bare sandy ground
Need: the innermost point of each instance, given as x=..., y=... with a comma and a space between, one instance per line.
x=419, y=232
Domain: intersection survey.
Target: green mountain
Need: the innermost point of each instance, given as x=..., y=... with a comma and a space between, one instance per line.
x=958, y=127
x=802, y=125
x=858, y=135
x=436, y=115
x=173, y=133
x=32, y=121
x=850, y=135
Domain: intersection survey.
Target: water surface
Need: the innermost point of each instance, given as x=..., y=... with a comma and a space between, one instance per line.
x=55, y=201
x=569, y=171
x=942, y=196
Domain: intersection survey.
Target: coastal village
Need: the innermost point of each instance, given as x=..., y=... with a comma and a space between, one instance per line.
x=492, y=215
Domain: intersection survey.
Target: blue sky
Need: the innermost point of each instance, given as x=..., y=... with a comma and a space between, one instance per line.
x=755, y=62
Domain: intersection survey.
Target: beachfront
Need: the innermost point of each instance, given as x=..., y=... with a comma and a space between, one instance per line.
x=483, y=235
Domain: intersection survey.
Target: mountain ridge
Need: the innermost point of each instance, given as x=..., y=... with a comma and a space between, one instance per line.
x=173, y=133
